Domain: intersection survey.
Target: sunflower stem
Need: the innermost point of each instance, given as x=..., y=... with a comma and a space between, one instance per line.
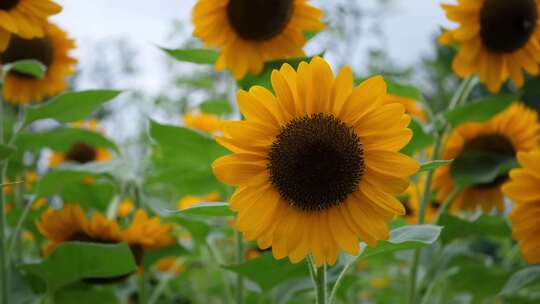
x=3, y=237
x=459, y=98
x=239, y=259
x=337, y=284
x=448, y=202
x=321, y=285
x=18, y=227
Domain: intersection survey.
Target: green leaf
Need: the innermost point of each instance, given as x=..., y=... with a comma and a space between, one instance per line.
x=403, y=90
x=198, y=229
x=216, y=106
x=81, y=293
x=477, y=168
x=152, y=256
x=6, y=151
x=434, y=164
x=404, y=238
x=263, y=79
x=199, y=56
x=73, y=261
x=71, y=106
x=209, y=210
x=520, y=280
x=480, y=110
x=268, y=272
x=28, y=67
x=421, y=138
x=62, y=139
x=485, y=225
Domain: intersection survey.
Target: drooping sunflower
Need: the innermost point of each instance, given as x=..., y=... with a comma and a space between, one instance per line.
x=24, y=18
x=70, y=224
x=81, y=153
x=205, y=122
x=524, y=189
x=52, y=50
x=316, y=165
x=498, y=38
x=513, y=130
x=250, y=32
x=147, y=233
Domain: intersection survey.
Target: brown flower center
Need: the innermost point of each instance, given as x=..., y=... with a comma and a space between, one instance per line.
x=316, y=162
x=259, y=20
x=39, y=49
x=6, y=5
x=507, y=25
x=82, y=153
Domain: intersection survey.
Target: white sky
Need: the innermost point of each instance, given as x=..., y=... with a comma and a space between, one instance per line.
x=410, y=25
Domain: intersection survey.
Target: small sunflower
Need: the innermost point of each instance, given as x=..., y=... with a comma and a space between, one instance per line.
x=81, y=153
x=513, y=130
x=524, y=189
x=125, y=208
x=70, y=224
x=250, y=32
x=24, y=18
x=205, y=122
x=316, y=165
x=52, y=50
x=147, y=233
x=498, y=38
x=192, y=200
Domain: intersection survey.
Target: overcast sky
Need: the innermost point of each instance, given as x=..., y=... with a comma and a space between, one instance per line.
x=145, y=23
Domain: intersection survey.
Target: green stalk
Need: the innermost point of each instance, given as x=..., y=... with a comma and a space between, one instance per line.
x=3, y=236
x=321, y=285
x=448, y=202
x=335, y=289
x=458, y=99
x=239, y=259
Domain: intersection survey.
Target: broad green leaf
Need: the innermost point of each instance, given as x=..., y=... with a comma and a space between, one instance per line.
x=209, y=210
x=73, y=261
x=521, y=279
x=421, y=138
x=152, y=256
x=28, y=67
x=263, y=79
x=81, y=293
x=62, y=139
x=268, y=272
x=71, y=106
x=480, y=110
x=485, y=225
x=216, y=106
x=404, y=238
x=200, y=56
x=477, y=168
x=6, y=151
x=434, y=164
x=403, y=90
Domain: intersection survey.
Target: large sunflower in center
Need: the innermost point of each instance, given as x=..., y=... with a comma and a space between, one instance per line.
x=250, y=32
x=513, y=130
x=316, y=165
x=498, y=38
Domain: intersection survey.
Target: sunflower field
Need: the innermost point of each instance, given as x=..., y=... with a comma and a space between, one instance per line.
x=283, y=155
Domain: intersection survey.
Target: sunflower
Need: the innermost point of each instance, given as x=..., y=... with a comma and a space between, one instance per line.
x=147, y=233
x=52, y=50
x=70, y=224
x=24, y=18
x=192, y=200
x=250, y=32
x=81, y=153
x=316, y=165
x=498, y=38
x=513, y=130
x=524, y=189
x=205, y=122
x=412, y=107
x=124, y=208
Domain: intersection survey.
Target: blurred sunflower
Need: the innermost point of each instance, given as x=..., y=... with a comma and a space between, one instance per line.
x=70, y=224
x=205, y=122
x=52, y=50
x=412, y=107
x=192, y=200
x=171, y=264
x=250, y=32
x=524, y=189
x=147, y=233
x=81, y=153
x=513, y=130
x=125, y=208
x=498, y=38
x=315, y=165
x=24, y=18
